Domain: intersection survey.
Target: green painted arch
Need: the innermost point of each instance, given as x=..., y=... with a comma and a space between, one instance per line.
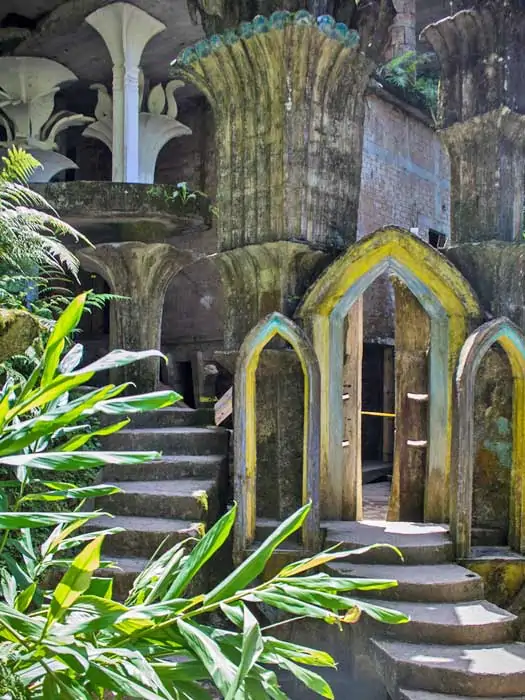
x=451, y=305
x=245, y=455
x=508, y=336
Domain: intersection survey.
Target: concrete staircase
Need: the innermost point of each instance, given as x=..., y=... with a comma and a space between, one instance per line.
x=166, y=501
x=457, y=645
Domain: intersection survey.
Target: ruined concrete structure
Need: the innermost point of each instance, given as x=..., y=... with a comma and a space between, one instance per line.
x=300, y=265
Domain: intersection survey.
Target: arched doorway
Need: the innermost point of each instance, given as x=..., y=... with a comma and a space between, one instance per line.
x=509, y=337
x=245, y=438
x=451, y=306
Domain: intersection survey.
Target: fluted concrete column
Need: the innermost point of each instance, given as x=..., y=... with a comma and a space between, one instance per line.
x=141, y=272
x=259, y=279
x=288, y=99
x=481, y=108
x=126, y=29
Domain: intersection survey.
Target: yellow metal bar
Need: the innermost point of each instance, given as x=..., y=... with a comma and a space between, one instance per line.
x=373, y=413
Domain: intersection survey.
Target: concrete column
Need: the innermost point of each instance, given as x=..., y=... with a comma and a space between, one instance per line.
x=403, y=29
x=482, y=103
x=352, y=496
x=288, y=99
x=126, y=29
x=140, y=272
x=412, y=336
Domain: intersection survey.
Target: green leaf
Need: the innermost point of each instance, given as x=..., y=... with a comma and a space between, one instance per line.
x=71, y=359
x=113, y=678
x=252, y=648
x=142, y=402
x=78, y=493
x=23, y=599
x=254, y=565
x=101, y=587
x=76, y=580
x=74, y=461
x=8, y=586
x=64, y=326
x=296, y=607
x=118, y=358
x=330, y=555
x=16, y=521
x=203, y=551
x=380, y=613
x=298, y=653
x=23, y=624
x=220, y=668
x=70, y=655
x=311, y=680
x=80, y=440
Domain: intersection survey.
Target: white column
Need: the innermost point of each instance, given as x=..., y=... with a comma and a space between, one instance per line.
x=126, y=29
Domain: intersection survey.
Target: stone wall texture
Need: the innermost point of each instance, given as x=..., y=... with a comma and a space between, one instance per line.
x=405, y=181
x=406, y=176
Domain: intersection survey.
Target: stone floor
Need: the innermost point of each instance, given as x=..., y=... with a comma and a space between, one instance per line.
x=375, y=500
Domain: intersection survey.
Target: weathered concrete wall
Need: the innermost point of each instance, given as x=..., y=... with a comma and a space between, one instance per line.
x=405, y=182
x=405, y=176
x=492, y=450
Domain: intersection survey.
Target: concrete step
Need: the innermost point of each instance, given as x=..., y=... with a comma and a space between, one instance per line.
x=474, y=622
x=372, y=471
x=171, y=441
x=123, y=576
x=173, y=417
x=441, y=583
x=168, y=467
x=423, y=695
x=420, y=543
x=183, y=498
x=472, y=670
x=142, y=536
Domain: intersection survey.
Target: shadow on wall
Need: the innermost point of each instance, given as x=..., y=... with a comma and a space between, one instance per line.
x=192, y=321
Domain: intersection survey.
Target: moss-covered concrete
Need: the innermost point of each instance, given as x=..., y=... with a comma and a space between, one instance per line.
x=18, y=329
x=492, y=450
x=137, y=206
x=496, y=271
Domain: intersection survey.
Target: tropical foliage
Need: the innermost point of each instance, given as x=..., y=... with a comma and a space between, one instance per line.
x=46, y=425
x=159, y=644
x=411, y=73
x=29, y=228
x=74, y=640
x=34, y=262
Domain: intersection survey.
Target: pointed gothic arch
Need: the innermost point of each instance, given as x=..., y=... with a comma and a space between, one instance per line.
x=451, y=305
x=245, y=452
x=503, y=332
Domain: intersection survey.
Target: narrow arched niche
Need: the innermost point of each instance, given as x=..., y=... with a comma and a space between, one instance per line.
x=452, y=307
x=509, y=337
x=245, y=435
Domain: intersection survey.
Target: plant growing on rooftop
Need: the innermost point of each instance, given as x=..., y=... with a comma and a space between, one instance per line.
x=410, y=74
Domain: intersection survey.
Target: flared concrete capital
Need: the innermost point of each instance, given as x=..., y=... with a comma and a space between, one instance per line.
x=126, y=29
x=134, y=268
x=288, y=100
x=482, y=60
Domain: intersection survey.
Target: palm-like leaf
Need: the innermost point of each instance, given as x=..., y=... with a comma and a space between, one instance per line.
x=29, y=227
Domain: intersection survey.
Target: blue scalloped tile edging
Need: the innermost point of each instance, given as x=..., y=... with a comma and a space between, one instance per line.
x=261, y=25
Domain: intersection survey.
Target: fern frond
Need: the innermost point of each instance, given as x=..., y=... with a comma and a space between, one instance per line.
x=18, y=166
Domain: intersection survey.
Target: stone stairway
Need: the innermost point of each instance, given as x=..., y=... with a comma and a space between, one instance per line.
x=166, y=501
x=457, y=645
